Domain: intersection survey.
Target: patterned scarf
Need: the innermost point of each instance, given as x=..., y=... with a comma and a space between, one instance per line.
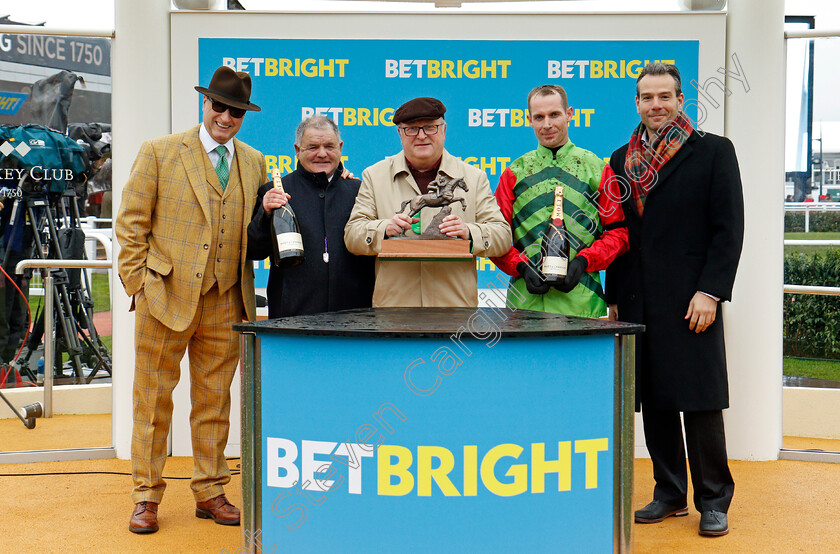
x=643, y=162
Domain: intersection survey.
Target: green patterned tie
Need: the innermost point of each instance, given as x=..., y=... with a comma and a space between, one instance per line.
x=222, y=169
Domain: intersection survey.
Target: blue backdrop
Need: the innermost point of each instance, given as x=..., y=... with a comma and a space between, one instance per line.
x=483, y=83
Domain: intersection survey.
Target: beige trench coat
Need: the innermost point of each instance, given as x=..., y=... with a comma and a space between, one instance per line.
x=385, y=185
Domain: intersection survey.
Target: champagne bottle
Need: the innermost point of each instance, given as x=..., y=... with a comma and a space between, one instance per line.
x=555, y=250
x=287, y=243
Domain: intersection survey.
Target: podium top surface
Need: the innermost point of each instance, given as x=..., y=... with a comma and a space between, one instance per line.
x=438, y=322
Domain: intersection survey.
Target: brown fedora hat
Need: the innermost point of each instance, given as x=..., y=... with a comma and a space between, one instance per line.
x=231, y=88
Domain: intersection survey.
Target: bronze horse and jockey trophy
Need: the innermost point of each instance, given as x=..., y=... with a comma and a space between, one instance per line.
x=430, y=244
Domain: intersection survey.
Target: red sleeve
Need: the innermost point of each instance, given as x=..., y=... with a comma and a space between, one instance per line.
x=614, y=241
x=505, y=198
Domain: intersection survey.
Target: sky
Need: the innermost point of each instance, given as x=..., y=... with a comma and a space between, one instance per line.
x=62, y=14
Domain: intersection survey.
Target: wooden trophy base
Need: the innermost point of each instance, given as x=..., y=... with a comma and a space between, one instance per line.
x=425, y=250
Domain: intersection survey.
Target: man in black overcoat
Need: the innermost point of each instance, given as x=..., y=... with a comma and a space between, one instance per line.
x=322, y=194
x=683, y=205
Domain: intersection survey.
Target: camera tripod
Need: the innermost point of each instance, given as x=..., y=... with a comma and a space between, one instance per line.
x=56, y=233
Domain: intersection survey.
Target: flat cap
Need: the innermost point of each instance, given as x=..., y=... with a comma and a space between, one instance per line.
x=419, y=108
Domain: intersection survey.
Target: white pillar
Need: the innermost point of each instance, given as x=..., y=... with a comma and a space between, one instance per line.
x=755, y=120
x=140, y=106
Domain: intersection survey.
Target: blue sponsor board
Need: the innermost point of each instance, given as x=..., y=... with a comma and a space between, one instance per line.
x=10, y=102
x=437, y=445
x=483, y=83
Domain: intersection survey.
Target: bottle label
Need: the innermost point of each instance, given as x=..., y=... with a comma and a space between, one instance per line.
x=557, y=214
x=289, y=241
x=555, y=265
x=276, y=177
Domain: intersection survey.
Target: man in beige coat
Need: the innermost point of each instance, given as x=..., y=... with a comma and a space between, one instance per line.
x=387, y=184
x=182, y=231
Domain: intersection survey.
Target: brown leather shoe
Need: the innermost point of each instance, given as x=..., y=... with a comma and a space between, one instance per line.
x=144, y=518
x=219, y=510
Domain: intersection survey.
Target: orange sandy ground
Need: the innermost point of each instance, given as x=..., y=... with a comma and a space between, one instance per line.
x=779, y=506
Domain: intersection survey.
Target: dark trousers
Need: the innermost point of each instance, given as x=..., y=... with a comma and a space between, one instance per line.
x=706, y=442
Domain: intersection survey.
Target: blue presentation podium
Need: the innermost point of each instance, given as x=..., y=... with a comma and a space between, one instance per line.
x=437, y=430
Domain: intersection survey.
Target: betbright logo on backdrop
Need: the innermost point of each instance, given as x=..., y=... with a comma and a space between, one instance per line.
x=597, y=69
x=288, y=67
x=503, y=470
x=447, y=69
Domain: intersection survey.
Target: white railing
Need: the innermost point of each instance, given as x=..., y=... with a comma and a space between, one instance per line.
x=832, y=176
x=806, y=289
x=806, y=242
x=93, y=235
x=812, y=206
x=809, y=207
x=49, y=338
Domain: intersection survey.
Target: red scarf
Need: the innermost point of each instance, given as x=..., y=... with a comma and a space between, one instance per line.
x=643, y=161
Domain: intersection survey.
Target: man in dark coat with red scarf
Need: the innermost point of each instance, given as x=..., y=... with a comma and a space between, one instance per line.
x=683, y=206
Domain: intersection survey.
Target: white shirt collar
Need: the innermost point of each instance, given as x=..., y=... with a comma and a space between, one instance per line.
x=210, y=144
x=645, y=138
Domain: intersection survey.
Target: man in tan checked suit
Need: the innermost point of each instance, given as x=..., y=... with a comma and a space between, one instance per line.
x=182, y=228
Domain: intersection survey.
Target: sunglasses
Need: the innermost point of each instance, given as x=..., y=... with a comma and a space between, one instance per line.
x=219, y=107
